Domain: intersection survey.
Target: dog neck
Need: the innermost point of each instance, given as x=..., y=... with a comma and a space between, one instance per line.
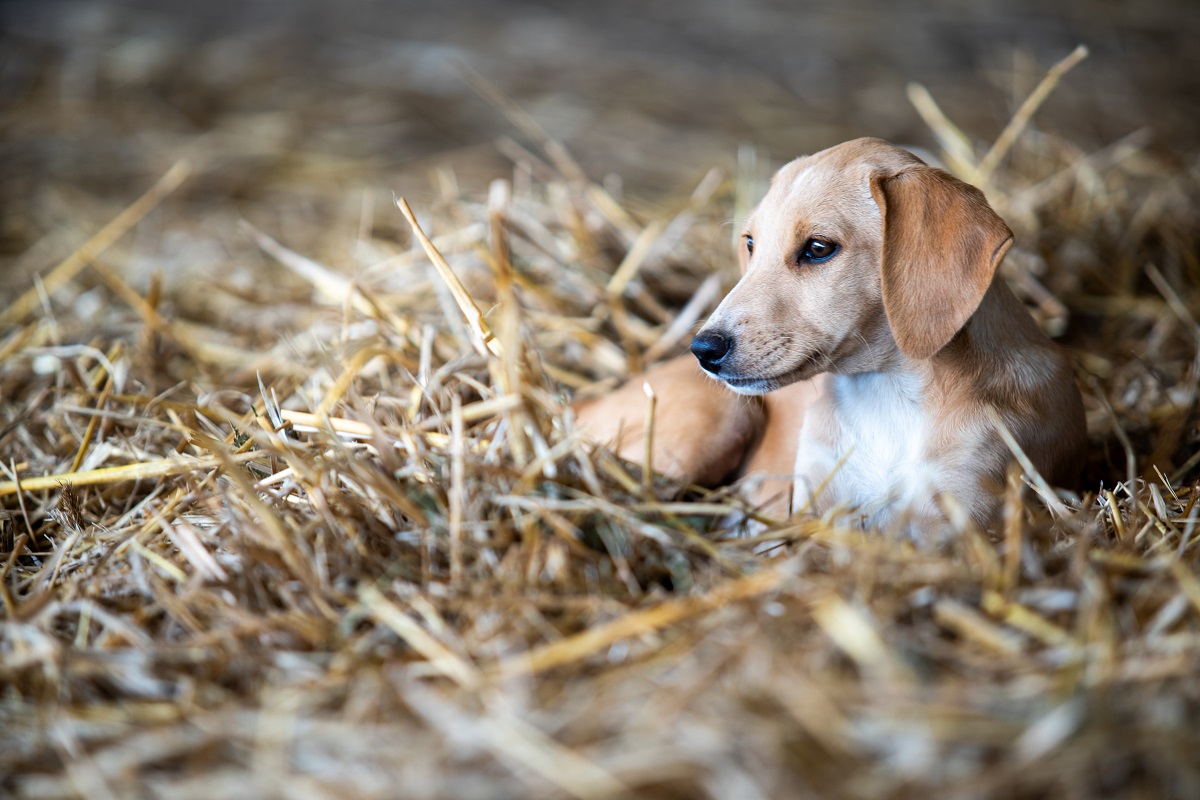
x=995, y=343
x=999, y=352
x=902, y=426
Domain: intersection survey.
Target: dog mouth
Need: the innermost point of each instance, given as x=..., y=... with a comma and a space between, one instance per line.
x=751, y=385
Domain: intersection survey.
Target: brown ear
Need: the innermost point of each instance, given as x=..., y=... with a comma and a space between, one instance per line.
x=942, y=243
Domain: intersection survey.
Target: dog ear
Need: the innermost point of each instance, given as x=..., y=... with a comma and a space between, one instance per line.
x=942, y=243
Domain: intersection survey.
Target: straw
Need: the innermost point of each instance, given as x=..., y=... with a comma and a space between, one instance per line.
x=321, y=536
x=484, y=341
x=1012, y=131
x=103, y=239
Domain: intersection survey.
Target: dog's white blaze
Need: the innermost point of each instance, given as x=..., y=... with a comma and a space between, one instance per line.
x=882, y=433
x=801, y=179
x=800, y=182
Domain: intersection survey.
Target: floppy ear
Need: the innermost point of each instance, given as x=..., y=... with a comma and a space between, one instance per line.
x=942, y=243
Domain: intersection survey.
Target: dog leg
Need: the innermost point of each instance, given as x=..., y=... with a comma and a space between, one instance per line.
x=770, y=469
x=701, y=429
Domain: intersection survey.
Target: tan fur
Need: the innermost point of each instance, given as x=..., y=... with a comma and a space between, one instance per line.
x=909, y=297
x=702, y=430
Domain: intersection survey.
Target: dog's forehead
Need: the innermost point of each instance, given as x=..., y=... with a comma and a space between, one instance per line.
x=820, y=186
x=812, y=177
x=831, y=187
x=838, y=170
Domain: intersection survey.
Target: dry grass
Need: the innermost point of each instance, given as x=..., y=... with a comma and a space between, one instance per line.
x=318, y=525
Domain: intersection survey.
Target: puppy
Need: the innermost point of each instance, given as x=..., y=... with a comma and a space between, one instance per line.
x=860, y=353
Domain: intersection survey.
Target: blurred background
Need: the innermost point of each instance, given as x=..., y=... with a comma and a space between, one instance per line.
x=304, y=116
x=653, y=91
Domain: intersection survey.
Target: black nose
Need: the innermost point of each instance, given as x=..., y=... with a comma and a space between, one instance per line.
x=710, y=348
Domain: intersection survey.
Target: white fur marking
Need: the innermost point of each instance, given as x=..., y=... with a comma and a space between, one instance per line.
x=799, y=183
x=882, y=433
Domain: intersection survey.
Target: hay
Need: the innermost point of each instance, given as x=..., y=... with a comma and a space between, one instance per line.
x=314, y=520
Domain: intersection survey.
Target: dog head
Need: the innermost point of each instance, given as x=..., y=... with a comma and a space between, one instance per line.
x=857, y=256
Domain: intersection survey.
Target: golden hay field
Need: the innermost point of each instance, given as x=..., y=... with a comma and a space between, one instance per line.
x=278, y=518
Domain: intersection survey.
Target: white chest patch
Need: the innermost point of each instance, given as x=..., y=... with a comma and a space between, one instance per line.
x=879, y=435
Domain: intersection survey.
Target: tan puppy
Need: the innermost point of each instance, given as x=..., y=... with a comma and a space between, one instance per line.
x=871, y=339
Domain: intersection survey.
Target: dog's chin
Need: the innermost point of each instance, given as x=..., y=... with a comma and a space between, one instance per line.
x=751, y=386
x=754, y=385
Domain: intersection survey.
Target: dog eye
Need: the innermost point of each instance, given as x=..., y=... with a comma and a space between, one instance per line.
x=818, y=250
x=750, y=245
